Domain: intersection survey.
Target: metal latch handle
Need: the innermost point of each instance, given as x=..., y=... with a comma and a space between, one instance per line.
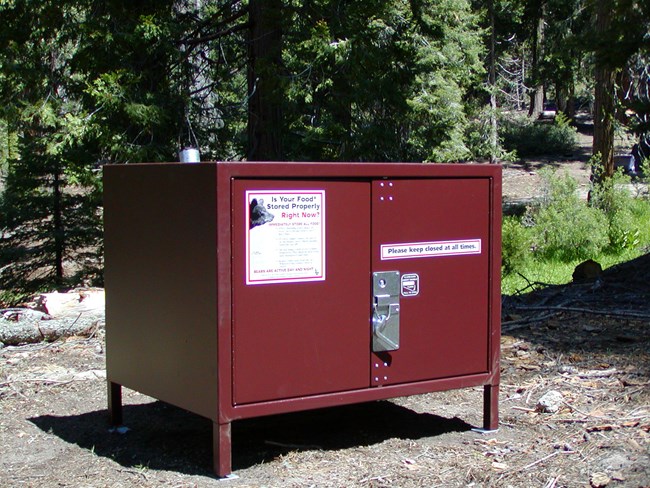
x=379, y=323
x=385, y=310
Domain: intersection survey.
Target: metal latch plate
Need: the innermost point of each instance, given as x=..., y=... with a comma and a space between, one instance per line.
x=386, y=288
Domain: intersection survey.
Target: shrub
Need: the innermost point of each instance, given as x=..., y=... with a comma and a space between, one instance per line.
x=618, y=205
x=515, y=247
x=535, y=138
x=565, y=227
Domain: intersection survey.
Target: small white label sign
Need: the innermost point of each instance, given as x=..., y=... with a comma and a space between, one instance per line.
x=410, y=284
x=431, y=249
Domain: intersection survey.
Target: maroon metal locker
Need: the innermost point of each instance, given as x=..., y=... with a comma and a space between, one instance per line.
x=282, y=287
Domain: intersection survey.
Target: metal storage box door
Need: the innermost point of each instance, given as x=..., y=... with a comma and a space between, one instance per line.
x=294, y=336
x=437, y=230
x=308, y=285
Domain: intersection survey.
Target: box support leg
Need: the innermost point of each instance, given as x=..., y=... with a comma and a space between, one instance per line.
x=490, y=407
x=221, y=449
x=115, y=403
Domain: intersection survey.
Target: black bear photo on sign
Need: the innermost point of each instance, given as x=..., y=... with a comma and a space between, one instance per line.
x=259, y=215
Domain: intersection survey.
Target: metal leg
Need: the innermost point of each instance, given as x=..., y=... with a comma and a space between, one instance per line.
x=491, y=407
x=115, y=403
x=221, y=449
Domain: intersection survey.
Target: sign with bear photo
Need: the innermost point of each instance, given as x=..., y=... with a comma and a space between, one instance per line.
x=285, y=239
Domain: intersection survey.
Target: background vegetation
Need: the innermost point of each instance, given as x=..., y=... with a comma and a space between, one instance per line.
x=546, y=243
x=85, y=83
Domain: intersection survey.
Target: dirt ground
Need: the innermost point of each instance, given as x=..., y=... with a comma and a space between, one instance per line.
x=587, y=343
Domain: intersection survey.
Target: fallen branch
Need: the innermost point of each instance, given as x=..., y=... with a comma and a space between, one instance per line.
x=34, y=331
x=374, y=478
x=545, y=458
x=523, y=409
x=17, y=313
x=521, y=323
x=612, y=313
x=534, y=463
x=134, y=471
x=603, y=418
x=598, y=373
x=552, y=482
x=293, y=446
x=574, y=409
x=81, y=376
x=531, y=284
x=37, y=380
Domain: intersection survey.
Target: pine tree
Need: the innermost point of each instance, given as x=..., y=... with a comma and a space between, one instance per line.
x=621, y=40
x=380, y=80
x=37, y=205
x=81, y=86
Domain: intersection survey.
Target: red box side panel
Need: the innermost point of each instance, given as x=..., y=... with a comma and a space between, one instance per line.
x=161, y=311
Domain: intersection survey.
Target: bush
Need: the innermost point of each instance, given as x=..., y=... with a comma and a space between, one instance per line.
x=535, y=138
x=566, y=228
x=618, y=206
x=515, y=245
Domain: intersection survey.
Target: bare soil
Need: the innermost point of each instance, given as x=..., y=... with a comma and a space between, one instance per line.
x=588, y=342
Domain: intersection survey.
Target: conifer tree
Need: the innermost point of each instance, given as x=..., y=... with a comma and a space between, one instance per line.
x=621, y=39
x=80, y=86
x=379, y=80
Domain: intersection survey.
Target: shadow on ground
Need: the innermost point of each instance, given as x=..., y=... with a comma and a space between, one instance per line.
x=165, y=437
x=605, y=316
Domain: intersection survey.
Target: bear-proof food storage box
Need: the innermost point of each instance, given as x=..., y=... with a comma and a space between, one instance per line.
x=235, y=290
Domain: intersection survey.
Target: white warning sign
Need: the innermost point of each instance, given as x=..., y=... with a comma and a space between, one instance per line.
x=285, y=239
x=430, y=249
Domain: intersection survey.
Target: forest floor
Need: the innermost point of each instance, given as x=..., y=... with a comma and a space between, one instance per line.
x=589, y=344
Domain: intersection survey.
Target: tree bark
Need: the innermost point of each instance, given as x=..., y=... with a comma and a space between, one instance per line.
x=492, y=81
x=265, y=81
x=604, y=98
x=57, y=315
x=33, y=329
x=57, y=220
x=537, y=92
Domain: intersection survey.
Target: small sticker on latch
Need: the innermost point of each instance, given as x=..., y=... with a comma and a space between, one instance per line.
x=410, y=284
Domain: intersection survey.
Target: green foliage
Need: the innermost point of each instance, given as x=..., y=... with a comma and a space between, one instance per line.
x=534, y=138
x=645, y=170
x=516, y=244
x=564, y=230
x=543, y=272
x=536, y=273
x=380, y=81
x=86, y=83
x=81, y=86
x=613, y=198
x=565, y=227
x=477, y=136
x=8, y=147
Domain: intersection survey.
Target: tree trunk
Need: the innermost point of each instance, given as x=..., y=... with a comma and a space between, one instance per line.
x=564, y=98
x=492, y=81
x=57, y=220
x=604, y=102
x=521, y=85
x=342, y=112
x=265, y=81
x=537, y=92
